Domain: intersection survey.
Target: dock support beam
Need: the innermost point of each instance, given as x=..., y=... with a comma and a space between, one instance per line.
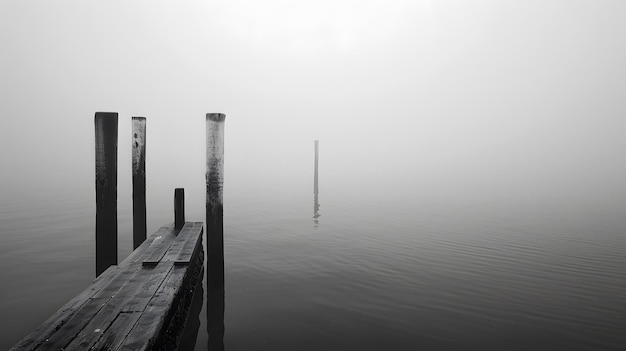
x=215, y=198
x=106, y=190
x=179, y=208
x=139, y=180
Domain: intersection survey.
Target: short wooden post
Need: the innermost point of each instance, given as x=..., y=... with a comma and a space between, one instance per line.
x=106, y=190
x=179, y=208
x=139, y=180
x=214, y=199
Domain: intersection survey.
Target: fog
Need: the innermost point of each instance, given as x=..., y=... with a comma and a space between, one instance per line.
x=482, y=99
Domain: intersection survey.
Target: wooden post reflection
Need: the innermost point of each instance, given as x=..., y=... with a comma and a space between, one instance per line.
x=215, y=319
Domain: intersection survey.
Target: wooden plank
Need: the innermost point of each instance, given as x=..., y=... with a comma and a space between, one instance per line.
x=145, y=332
x=140, y=297
x=125, y=270
x=145, y=249
x=160, y=245
x=134, y=296
x=189, y=233
x=74, y=325
x=117, y=332
x=156, y=257
x=157, y=243
x=174, y=249
x=114, y=285
x=191, y=247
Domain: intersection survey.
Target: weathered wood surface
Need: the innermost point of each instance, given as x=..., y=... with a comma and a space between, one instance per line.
x=215, y=199
x=179, y=207
x=139, y=180
x=140, y=304
x=106, y=190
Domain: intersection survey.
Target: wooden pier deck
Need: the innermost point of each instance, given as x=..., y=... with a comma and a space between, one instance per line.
x=140, y=304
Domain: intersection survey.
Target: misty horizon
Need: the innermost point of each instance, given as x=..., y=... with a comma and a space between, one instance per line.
x=486, y=96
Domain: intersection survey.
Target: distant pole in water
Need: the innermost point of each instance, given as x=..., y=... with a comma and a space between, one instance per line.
x=179, y=208
x=106, y=190
x=317, y=153
x=316, y=204
x=214, y=199
x=139, y=180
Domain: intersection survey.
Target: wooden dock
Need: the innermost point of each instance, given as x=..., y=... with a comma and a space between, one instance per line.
x=140, y=304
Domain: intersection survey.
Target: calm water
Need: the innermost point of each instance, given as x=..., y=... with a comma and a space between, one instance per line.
x=383, y=268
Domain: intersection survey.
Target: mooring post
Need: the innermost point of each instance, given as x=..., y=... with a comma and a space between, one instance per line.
x=139, y=180
x=106, y=190
x=317, y=152
x=179, y=208
x=214, y=198
x=316, y=203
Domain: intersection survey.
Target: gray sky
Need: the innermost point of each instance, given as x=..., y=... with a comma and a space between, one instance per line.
x=525, y=94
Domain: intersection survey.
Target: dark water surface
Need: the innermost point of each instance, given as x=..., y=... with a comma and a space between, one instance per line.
x=377, y=272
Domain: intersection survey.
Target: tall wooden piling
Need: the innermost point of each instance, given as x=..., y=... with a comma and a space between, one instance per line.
x=139, y=180
x=179, y=208
x=214, y=199
x=106, y=190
